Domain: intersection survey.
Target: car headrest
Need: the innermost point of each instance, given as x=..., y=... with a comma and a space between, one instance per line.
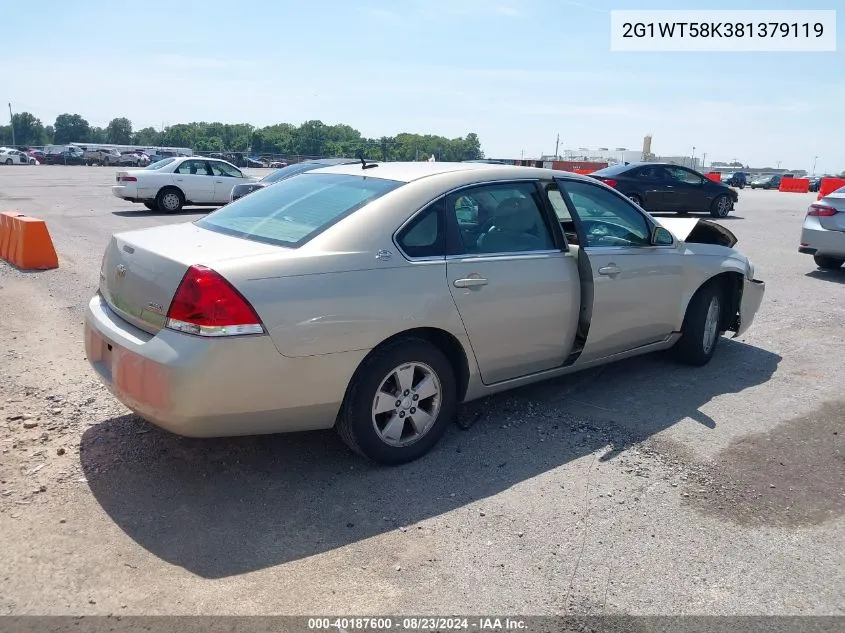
x=515, y=214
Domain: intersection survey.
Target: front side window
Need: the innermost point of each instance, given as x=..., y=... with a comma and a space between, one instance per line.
x=222, y=169
x=607, y=218
x=295, y=210
x=500, y=218
x=684, y=175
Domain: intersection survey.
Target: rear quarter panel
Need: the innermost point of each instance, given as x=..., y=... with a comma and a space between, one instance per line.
x=311, y=313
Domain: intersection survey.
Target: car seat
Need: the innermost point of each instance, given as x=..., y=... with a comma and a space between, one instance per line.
x=514, y=229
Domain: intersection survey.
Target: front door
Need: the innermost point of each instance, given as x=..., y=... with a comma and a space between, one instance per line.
x=195, y=179
x=636, y=286
x=514, y=284
x=689, y=190
x=225, y=178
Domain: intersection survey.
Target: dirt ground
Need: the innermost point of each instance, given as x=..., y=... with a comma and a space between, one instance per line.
x=644, y=487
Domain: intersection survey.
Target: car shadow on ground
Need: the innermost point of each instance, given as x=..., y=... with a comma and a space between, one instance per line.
x=144, y=212
x=224, y=507
x=835, y=276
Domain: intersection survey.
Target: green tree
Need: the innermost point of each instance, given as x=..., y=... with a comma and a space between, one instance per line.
x=28, y=129
x=49, y=133
x=146, y=136
x=71, y=128
x=119, y=131
x=97, y=135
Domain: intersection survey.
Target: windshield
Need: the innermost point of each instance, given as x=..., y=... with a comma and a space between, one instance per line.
x=159, y=164
x=296, y=209
x=290, y=170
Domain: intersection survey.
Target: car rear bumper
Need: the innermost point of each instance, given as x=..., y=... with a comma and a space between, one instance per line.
x=202, y=387
x=817, y=240
x=752, y=297
x=125, y=192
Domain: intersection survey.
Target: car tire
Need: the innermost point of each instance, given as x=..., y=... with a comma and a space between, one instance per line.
x=170, y=199
x=416, y=363
x=8, y=161
x=828, y=263
x=152, y=206
x=721, y=206
x=636, y=200
x=701, y=330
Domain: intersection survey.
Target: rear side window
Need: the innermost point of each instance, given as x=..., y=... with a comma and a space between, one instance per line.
x=425, y=235
x=295, y=210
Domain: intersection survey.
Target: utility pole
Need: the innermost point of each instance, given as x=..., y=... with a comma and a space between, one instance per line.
x=692, y=158
x=779, y=162
x=704, y=160
x=815, y=158
x=557, y=147
x=12, y=124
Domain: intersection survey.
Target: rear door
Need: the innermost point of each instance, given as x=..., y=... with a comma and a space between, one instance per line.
x=636, y=286
x=194, y=177
x=513, y=281
x=654, y=185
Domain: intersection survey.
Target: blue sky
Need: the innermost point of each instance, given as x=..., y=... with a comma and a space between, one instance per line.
x=517, y=72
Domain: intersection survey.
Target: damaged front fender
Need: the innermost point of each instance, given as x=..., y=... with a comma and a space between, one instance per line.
x=698, y=231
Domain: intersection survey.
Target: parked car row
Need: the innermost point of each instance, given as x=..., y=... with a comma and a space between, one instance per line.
x=11, y=156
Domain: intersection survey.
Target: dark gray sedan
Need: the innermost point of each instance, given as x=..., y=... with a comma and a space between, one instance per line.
x=242, y=189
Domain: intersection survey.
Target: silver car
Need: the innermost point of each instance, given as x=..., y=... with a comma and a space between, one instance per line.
x=823, y=233
x=376, y=298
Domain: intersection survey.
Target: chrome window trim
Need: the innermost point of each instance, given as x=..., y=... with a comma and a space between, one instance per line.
x=520, y=254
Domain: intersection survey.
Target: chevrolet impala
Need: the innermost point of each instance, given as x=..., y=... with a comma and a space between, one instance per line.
x=375, y=298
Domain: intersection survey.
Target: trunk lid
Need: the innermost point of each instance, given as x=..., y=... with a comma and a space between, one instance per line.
x=141, y=270
x=698, y=231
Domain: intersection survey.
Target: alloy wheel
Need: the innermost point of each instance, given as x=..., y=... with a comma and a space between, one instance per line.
x=406, y=404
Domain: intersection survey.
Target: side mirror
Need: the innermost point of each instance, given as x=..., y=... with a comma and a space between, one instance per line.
x=662, y=237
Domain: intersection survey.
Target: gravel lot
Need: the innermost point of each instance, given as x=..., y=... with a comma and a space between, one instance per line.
x=644, y=487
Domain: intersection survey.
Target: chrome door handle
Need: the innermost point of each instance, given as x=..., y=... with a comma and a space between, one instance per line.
x=470, y=282
x=219, y=182
x=612, y=269
x=179, y=179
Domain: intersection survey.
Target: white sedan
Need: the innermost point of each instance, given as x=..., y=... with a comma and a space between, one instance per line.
x=172, y=183
x=15, y=157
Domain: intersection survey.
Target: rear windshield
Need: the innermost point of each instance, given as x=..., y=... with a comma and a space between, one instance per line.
x=294, y=210
x=159, y=164
x=613, y=170
x=290, y=170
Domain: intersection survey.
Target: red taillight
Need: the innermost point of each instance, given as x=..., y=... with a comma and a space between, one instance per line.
x=207, y=305
x=128, y=179
x=610, y=182
x=821, y=210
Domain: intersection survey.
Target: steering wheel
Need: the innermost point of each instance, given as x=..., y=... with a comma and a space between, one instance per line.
x=608, y=234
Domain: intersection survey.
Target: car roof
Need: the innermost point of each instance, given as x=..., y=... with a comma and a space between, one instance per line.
x=410, y=171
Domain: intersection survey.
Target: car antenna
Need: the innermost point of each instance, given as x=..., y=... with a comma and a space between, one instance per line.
x=364, y=164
